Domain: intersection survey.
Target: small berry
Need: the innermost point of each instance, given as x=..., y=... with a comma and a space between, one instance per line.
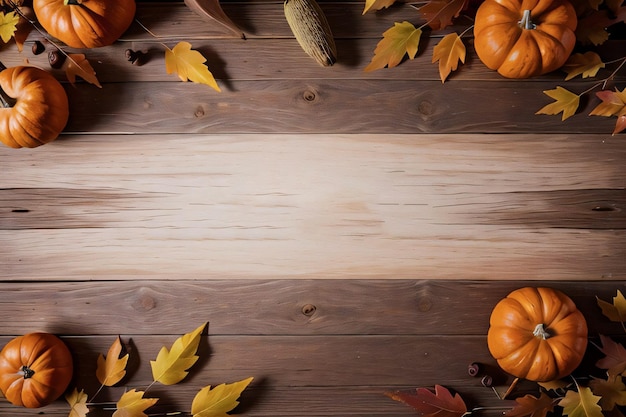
x=38, y=48
x=56, y=59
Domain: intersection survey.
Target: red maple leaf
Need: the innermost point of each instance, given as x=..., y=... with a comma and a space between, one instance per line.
x=441, y=403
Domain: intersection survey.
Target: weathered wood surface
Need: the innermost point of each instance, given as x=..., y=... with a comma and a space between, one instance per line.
x=332, y=348
x=343, y=206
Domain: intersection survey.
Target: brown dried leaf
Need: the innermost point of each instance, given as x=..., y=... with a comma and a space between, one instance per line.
x=78, y=65
x=615, y=356
x=591, y=29
x=612, y=390
x=530, y=406
x=440, y=13
x=449, y=51
x=612, y=104
x=24, y=27
x=441, y=403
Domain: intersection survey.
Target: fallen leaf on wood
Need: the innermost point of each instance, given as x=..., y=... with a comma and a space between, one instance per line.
x=8, y=25
x=78, y=403
x=170, y=366
x=188, y=64
x=211, y=10
x=218, y=401
x=400, y=40
x=531, y=406
x=449, y=51
x=373, y=5
x=581, y=403
x=613, y=104
x=132, y=404
x=441, y=403
x=565, y=101
x=111, y=370
x=586, y=65
x=78, y=65
x=612, y=390
x=440, y=13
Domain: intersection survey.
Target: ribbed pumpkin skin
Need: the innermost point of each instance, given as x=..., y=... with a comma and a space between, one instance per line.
x=49, y=359
x=91, y=24
x=521, y=353
x=503, y=45
x=41, y=111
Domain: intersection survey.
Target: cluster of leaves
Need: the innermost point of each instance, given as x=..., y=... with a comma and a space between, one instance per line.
x=599, y=397
x=594, y=17
x=170, y=367
x=17, y=21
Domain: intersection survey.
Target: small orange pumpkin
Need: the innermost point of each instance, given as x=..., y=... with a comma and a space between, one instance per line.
x=524, y=38
x=34, y=107
x=35, y=369
x=537, y=334
x=85, y=23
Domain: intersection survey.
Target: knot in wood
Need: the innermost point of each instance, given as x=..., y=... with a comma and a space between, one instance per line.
x=144, y=302
x=424, y=304
x=425, y=108
x=309, y=95
x=308, y=309
x=199, y=112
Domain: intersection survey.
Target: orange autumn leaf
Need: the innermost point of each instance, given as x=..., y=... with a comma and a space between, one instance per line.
x=565, y=101
x=373, y=5
x=112, y=369
x=188, y=64
x=613, y=104
x=586, y=65
x=398, y=41
x=440, y=14
x=78, y=403
x=530, y=406
x=449, y=51
x=441, y=403
x=211, y=11
x=78, y=65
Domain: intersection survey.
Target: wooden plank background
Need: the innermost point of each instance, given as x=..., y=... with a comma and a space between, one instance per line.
x=344, y=233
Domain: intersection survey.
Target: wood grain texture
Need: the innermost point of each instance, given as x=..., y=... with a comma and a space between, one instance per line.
x=340, y=206
x=362, y=339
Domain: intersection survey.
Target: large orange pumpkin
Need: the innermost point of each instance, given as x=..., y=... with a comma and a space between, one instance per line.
x=35, y=369
x=34, y=108
x=85, y=23
x=524, y=38
x=537, y=334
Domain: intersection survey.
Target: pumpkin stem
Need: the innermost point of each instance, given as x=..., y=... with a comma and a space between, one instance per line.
x=540, y=331
x=27, y=372
x=72, y=2
x=526, y=23
x=6, y=101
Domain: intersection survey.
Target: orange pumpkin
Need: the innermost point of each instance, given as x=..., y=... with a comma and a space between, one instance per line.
x=524, y=38
x=35, y=369
x=85, y=23
x=34, y=109
x=537, y=334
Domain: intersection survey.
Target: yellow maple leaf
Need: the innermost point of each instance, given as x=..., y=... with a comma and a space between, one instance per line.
x=132, y=404
x=78, y=65
x=111, y=370
x=449, y=51
x=585, y=65
x=617, y=310
x=78, y=403
x=565, y=101
x=170, y=366
x=8, y=25
x=218, y=401
x=400, y=40
x=188, y=64
x=377, y=5
x=581, y=404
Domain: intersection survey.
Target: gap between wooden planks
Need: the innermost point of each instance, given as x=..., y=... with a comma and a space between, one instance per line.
x=517, y=206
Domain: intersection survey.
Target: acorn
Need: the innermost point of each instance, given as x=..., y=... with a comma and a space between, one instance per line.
x=310, y=27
